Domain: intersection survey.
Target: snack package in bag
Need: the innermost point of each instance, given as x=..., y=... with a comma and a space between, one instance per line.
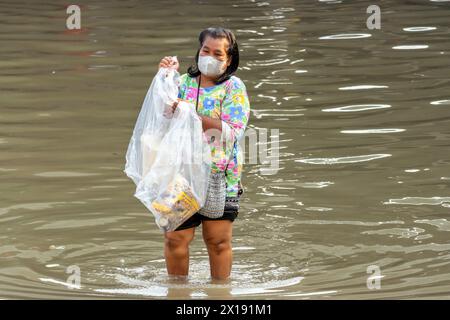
x=168, y=157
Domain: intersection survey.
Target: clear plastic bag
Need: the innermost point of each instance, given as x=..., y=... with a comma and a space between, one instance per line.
x=168, y=157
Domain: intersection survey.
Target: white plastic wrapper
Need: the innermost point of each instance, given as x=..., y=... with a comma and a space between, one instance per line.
x=168, y=156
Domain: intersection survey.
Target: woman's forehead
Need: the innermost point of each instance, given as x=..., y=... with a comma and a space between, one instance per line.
x=215, y=43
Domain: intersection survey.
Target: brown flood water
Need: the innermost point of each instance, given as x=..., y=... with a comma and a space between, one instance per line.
x=364, y=157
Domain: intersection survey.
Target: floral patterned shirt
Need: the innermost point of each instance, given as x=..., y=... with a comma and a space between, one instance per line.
x=228, y=102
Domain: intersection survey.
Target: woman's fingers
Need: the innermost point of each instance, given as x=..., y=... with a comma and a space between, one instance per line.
x=167, y=62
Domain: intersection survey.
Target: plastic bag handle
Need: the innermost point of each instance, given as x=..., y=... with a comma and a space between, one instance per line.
x=198, y=91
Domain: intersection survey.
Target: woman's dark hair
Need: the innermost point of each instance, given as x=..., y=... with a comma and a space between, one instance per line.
x=232, y=51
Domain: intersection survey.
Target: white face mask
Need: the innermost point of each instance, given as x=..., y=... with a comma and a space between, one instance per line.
x=210, y=66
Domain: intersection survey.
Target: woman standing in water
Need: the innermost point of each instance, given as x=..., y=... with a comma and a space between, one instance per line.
x=223, y=106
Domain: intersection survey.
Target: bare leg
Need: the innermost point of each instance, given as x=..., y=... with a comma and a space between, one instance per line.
x=217, y=236
x=176, y=251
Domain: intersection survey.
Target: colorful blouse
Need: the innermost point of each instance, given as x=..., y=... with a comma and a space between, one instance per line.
x=228, y=102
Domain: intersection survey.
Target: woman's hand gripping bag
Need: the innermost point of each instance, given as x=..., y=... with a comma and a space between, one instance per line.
x=168, y=157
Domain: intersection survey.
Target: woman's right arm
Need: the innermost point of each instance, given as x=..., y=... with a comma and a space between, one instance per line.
x=167, y=62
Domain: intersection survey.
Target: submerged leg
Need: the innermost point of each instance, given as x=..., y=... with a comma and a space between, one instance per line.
x=217, y=236
x=176, y=251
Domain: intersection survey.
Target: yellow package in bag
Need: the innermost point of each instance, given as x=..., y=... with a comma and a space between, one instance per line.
x=177, y=204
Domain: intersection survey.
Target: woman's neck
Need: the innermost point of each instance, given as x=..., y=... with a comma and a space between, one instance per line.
x=206, y=81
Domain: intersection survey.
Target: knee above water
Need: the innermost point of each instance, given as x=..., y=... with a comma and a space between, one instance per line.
x=174, y=242
x=218, y=245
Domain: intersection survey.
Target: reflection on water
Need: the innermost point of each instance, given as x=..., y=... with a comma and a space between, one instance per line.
x=363, y=179
x=346, y=36
x=195, y=286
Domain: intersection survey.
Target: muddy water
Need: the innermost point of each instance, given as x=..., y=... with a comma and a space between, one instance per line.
x=363, y=179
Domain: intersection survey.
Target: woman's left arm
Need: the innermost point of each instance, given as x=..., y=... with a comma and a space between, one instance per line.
x=235, y=112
